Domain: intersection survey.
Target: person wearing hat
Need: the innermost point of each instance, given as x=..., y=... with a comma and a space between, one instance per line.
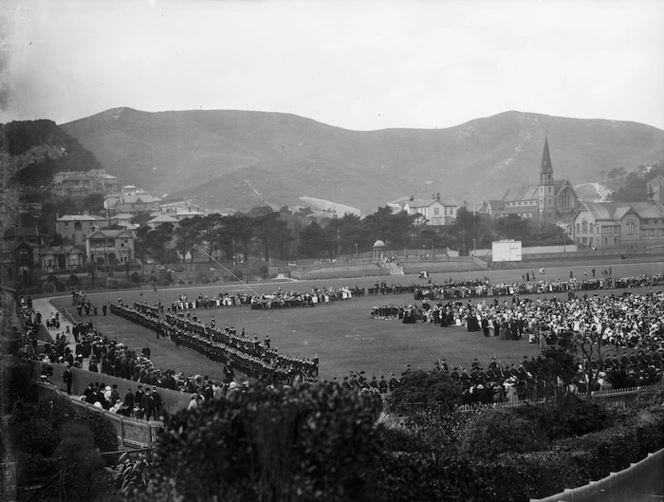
x=68, y=377
x=156, y=403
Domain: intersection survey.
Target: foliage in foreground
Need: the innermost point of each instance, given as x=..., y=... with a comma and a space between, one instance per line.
x=313, y=442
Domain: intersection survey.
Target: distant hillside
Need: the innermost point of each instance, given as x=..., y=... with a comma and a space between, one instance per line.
x=36, y=149
x=240, y=159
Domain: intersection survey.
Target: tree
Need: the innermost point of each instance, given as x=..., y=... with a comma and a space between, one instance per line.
x=270, y=231
x=420, y=390
x=306, y=442
x=314, y=241
x=93, y=203
x=496, y=431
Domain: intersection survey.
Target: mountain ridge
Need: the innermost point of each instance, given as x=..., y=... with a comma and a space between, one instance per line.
x=209, y=155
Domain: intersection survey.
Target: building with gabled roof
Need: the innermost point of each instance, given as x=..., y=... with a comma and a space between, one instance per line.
x=604, y=225
x=435, y=211
x=107, y=247
x=65, y=258
x=161, y=219
x=132, y=200
x=549, y=200
x=76, y=227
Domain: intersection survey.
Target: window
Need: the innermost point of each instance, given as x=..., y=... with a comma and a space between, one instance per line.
x=578, y=228
x=630, y=227
x=66, y=225
x=436, y=211
x=78, y=227
x=592, y=229
x=584, y=226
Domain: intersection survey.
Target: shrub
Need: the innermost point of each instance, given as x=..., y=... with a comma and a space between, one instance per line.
x=135, y=278
x=105, y=435
x=263, y=272
x=420, y=390
x=567, y=417
x=496, y=431
x=79, y=458
x=314, y=441
x=73, y=281
x=17, y=377
x=38, y=436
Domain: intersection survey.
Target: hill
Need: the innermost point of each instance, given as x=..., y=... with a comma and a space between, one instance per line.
x=239, y=159
x=37, y=149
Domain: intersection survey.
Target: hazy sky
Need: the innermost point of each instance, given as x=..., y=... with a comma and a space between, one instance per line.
x=359, y=65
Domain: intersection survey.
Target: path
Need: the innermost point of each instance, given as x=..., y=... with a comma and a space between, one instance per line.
x=45, y=308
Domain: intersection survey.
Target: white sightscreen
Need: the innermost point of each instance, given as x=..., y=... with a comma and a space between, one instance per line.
x=506, y=251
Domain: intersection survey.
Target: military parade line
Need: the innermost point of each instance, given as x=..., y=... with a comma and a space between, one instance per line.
x=240, y=353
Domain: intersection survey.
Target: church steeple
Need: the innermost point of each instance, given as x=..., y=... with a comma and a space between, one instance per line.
x=546, y=169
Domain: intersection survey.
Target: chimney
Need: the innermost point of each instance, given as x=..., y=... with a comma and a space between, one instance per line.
x=412, y=197
x=437, y=195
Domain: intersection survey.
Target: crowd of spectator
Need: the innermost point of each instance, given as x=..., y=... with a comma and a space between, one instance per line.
x=483, y=288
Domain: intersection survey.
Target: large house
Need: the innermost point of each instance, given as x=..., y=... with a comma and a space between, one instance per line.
x=107, y=247
x=603, y=225
x=436, y=212
x=19, y=259
x=549, y=200
x=58, y=259
x=76, y=227
x=131, y=200
x=79, y=184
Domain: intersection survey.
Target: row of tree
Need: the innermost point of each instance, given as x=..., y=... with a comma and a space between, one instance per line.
x=288, y=235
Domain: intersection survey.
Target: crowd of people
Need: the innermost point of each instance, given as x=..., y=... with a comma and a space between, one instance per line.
x=238, y=352
x=483, y=288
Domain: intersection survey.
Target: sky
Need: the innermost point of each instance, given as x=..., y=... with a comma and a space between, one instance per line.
x=361, y=65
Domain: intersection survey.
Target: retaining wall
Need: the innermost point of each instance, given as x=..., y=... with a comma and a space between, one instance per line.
x=172, y=400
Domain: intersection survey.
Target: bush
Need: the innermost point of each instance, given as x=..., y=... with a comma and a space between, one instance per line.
x=420, y=390
x=79, y=458
x=135, y=278
x=494, y=432
x=38, y=436
x=568, y=417
x=315, y=441
x=73, y=281
x=17, y=377
x=264, y=272
x=104, y=433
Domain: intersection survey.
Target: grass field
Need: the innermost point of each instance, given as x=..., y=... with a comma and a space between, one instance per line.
x=342, y=333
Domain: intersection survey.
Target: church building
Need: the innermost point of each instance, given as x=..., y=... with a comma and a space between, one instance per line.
x=549, y=200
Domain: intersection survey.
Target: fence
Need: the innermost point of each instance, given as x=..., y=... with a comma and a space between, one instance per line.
x=131, y=432
x=615, y=397
x=641, y=481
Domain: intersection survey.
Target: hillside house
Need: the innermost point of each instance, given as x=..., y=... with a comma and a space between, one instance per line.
x=107, y=247
x=19, y=259
x=59, y=259
x=76, y=227
x=80, y=184
x=131, y=200
x=436, y=212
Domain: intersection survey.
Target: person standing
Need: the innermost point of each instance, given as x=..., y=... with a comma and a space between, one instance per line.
x=68, y=377
x=148, y=404
x=156, y=403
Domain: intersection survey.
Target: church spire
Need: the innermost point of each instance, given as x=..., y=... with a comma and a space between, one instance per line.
x=546, y=168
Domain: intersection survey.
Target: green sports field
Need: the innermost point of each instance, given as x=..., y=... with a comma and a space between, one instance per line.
x=342, y=333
